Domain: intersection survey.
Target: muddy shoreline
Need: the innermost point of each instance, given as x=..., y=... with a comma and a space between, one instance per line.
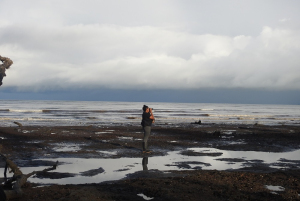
x=26, y=145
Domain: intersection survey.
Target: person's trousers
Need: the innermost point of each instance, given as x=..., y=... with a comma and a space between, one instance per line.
x=147, y=131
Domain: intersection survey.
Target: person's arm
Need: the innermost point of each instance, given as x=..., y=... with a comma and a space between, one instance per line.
x=151, y=115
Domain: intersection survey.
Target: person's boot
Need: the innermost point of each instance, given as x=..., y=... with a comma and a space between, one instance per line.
x=145, y=148
x=143, y=145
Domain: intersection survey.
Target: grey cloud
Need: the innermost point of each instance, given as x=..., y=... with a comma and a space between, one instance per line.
x=96, y=44
x=149, y=57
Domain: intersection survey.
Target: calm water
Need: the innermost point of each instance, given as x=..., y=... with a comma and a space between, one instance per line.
x=118, y=168
x=97, y=112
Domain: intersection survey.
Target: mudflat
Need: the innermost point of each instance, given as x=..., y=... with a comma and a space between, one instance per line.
x=255, y=180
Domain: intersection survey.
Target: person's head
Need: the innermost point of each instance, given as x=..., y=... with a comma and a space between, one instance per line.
x=145, y=108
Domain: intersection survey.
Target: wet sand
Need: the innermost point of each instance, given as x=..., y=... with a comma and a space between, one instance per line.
x=25, y=144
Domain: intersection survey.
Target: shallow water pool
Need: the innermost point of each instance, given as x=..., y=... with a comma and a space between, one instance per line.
x=202, y=158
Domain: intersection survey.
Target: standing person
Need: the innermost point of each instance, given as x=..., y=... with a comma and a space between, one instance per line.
x=147, y=120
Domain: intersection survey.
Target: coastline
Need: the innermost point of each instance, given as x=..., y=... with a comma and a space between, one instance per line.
x=30, y=143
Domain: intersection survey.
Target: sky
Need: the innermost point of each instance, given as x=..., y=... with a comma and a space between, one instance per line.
x=224, y=51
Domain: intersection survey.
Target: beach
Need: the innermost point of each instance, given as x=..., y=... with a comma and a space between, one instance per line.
x=213, y=161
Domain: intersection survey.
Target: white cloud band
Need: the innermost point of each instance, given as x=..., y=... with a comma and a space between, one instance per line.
x=55, y=56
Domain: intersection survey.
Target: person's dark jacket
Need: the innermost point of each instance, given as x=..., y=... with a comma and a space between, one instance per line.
x=146, y=121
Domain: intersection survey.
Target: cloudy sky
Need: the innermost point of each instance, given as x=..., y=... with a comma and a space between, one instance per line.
x=239, y=51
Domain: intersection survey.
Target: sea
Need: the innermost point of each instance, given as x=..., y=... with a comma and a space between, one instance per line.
x=72, y=113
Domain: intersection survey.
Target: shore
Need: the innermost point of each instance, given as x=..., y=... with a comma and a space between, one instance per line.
x=24, y=145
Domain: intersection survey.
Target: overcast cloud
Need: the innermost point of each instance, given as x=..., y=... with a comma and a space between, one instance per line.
x=157, y=44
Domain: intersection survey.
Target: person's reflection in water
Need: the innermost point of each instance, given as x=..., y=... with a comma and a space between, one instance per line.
x=145, y=163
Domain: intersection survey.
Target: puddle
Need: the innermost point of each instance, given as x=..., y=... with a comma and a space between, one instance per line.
x=236, y=142
x=108, y=152
x=103, y=132
x=275, y=188
x=96, y=170
x=62, y=147
x=35, y=142
x=40, y=186
x=125, y=138
x=144, y=196
x=228, y=132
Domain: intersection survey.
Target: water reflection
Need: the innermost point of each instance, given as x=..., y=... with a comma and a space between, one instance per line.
x=95, y=170
x=145, y=163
